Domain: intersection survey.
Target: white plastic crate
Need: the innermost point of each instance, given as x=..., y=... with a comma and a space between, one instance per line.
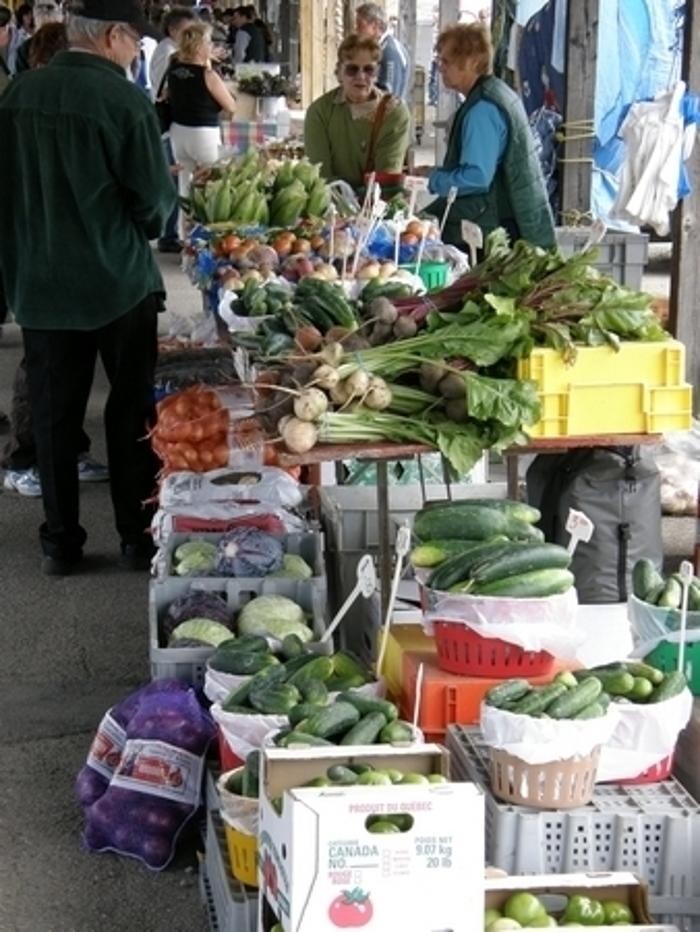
x=231, y=907
x=189, y=663
x=652, y=830
x=309, y=546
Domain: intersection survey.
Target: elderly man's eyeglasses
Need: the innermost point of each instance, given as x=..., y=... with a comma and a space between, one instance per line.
x=352, y=70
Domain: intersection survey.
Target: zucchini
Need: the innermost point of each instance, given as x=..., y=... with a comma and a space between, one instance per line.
x=396, y=733
x=521, y=558
x=509, y=691
x=315, y=692
x=673, y=684
x=333, y=720
x=538, y=699
x=457, y=568
x=432, y=553
x=576, y=699
x=367, y=729
x=299, y=739
x=274, y=700
x=637, y=668
x=644, y=578
x=594, y=710
x=239, y=663
x=365, y=705
x=672, y=595
x=301, y=711
x=320, y=668
x=536, y=584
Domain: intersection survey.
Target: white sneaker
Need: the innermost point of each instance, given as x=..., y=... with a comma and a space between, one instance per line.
x=89, y=470
x=24, y=481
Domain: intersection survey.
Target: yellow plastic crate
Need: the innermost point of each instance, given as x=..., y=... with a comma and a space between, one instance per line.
x=402, y=638
x=639, y=389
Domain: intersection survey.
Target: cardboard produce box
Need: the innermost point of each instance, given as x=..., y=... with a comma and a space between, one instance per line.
x=554, y=890
x=320, y=867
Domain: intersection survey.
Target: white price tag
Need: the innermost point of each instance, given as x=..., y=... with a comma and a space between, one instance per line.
x=580, y=527
x=415, y=183
x=403, y=540
x=366, y=576
x=686, y=571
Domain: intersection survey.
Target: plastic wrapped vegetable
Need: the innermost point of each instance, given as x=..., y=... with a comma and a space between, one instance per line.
x=274, y=616
x=197, y=603
x=155, y=790
x=107, y=745
x=248, y=552
x=201, y=630
x=195, y=558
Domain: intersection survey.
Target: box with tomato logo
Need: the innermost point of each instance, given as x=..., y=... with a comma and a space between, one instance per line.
x=604, y=900
x=403, y=855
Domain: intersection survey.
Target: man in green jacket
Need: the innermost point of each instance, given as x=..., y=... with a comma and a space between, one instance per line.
x=85, y=186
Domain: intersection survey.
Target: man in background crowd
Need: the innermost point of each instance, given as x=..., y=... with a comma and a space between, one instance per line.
x=393, y=68
x=252, y=39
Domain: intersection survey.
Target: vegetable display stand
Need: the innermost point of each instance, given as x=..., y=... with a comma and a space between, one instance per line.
x=462, y=651
x=562, y=784
x=446, y=698
x=231, y=907
x=432, y=274
x=653, y=829
x=638, y=388
x=665, y=657
x=243, y=854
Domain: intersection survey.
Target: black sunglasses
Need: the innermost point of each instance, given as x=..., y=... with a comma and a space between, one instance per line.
x=353, y=70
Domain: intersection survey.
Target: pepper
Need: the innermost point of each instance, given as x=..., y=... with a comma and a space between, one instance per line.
x=584, y=909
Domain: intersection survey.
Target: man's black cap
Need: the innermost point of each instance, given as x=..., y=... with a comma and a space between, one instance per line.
x=114, y=11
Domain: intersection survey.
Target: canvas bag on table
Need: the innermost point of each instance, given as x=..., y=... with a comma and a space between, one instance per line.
x=618, y=488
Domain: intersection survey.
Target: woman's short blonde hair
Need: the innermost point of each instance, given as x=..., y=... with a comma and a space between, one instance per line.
x=354, y=43
x=191, y=40
x=468, y=41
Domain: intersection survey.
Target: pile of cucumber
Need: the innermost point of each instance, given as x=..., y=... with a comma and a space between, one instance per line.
x=651, y=587
x=489, y=547
x=277, y=686
x=352, y=719
x=586, y=694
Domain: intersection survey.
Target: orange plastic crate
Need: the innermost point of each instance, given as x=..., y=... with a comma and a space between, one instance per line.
x=447, y=699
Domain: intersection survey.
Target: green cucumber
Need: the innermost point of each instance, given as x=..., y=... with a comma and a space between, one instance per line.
x=510, y=691
x=297, y=739
x=637, y=668
x=294, y=664
x=694, y=597
x=366, y=704
x=521, y=558
x=315, y=692
x=673, y=684
x=251, y=775
x=644, y=578
x=274, y=700
x=512, y=509
x=537, y=584
x=432, y=553
x=238, y=663
x=292, y=646
x=604, y=700
x=653, y=596
x=337, y=684
x=397, y=733
x=567, y=678
x=672, y=595
x=234, y=783
x=467, y=521
x=333, y=720
x=538, y=699
x=594, y=710
x=320, y=668
x=457, y=568
x=342, y=775
x=367, y=729
x=346, y=665
x=576, y=699
x=616, y=682
x=301, y=711
x=247, y=643
x=642, y=688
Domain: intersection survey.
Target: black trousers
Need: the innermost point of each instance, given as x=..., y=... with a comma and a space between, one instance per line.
x=60, y=368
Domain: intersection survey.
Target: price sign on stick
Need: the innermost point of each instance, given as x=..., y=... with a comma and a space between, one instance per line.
x=686, y=574
x=473, y=236
x=580, y=527
x=365, y=586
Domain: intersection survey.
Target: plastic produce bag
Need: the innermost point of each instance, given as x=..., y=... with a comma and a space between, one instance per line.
x=107, y=745
x=678, y=459
x=644, y=735
x=156, y=788
x=220, y=517
x=267, y=484
x=240, y=812
x=246, y=733
x=544, y=740
x=546, y=624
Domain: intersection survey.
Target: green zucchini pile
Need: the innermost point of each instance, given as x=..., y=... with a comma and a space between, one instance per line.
x=489, y=547
x=352, y=719
x=276, y=686
x=651, y=587
x=586, y=694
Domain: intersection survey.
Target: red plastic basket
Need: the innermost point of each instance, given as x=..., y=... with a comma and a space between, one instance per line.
x=461, y=650
x=655, y=774
x=228, y=758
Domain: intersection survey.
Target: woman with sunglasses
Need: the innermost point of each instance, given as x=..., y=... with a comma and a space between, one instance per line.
x=357, y=128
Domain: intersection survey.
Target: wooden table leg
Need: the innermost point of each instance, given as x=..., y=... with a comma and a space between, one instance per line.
x=512, y=483
x=384, y=528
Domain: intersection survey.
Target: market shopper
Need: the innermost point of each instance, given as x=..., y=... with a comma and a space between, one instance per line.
x=251, y=39
x=491, y=157
x=89, y=283
x=355, y=128
x=46, y=13
x=24, y=29
x=5, y=27
x=174, y=22
x=197, y=97
x=371, y=21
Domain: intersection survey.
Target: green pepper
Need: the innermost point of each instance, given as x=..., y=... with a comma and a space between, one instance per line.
x=584, y=909
x=617, y=913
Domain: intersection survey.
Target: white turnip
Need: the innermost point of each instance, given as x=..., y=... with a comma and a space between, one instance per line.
x=299, y=436
x=310, y=405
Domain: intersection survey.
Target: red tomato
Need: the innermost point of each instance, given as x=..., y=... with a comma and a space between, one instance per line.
x=351, y=910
